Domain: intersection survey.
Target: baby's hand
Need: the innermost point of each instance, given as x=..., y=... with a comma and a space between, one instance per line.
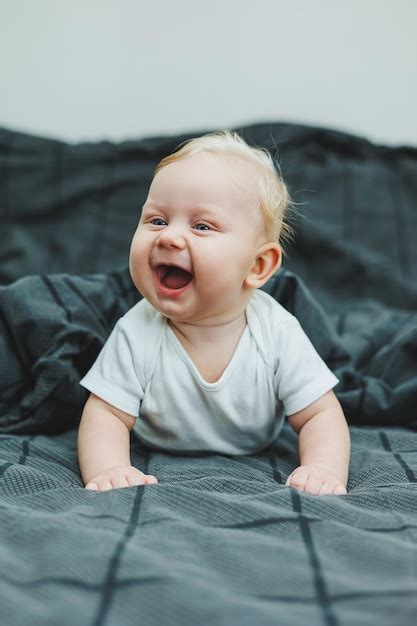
x=120, y=476
x=316, y=479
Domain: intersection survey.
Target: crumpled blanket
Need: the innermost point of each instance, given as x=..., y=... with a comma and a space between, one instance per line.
x=220, y=541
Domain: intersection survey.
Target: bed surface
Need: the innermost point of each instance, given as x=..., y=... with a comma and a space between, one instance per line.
x=220, y=540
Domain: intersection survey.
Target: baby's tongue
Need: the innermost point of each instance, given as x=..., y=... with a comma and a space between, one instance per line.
x=177, y=278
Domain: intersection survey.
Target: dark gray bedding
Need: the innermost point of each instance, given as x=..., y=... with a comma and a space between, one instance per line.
x=220, y=540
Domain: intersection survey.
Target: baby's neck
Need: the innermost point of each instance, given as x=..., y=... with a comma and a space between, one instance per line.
x=199, y=334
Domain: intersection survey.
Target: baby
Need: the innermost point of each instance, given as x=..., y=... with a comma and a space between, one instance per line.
x=206, y=361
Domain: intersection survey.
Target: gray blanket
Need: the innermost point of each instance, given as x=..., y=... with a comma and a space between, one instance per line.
x=220, y=540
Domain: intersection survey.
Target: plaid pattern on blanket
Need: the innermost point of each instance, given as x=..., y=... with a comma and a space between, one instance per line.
x=220, y=540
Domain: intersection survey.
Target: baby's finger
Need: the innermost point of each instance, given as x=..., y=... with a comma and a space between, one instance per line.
x=119, y=481
x=288, y=481
x=313, y=485
x=151, y=480
x=340, y=490
x=326, y=489
x=104, y=484
x=136, y=478
x=299, y=479
x=91, y=486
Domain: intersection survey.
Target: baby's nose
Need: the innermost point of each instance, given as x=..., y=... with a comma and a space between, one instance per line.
x=172, y=235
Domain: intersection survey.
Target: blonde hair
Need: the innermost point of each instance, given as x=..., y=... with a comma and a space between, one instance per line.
x=274, y=197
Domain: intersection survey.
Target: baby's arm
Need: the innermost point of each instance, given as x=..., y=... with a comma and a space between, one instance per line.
x=104, y=448
x=324, y=446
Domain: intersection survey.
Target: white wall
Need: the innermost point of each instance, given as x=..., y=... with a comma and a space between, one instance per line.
x=117, y=69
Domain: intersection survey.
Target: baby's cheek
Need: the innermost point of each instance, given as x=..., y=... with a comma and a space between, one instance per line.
x=135, y=245
x=135, y=265
x=137, y=256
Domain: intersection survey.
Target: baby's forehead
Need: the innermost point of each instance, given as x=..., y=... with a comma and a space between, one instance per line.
x=239, y=170
x=242, y=174
x=223, y=178
x=233, y=161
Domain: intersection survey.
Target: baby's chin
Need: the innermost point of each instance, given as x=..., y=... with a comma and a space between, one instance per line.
x=168, y=309
x=176, y=313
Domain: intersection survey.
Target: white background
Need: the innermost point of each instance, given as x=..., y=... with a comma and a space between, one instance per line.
x=84, y=70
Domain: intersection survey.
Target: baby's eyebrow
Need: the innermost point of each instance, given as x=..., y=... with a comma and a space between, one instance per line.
x=149, y=204
x=206, y=210
x=216, y=212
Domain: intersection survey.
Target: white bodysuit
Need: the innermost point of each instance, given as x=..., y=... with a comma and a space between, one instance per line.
x=144, y=370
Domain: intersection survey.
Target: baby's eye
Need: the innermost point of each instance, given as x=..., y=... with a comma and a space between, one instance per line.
x=201, y=224
x=157, y=219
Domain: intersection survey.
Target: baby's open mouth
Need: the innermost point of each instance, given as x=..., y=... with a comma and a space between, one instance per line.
x=173, y=277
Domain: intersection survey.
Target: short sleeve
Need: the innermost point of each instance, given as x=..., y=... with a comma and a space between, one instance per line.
x=114, y=375
x=301, y=376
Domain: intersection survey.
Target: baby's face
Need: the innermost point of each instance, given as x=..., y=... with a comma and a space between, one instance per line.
x=202, y=214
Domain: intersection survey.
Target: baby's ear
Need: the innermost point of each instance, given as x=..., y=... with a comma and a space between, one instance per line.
x=268, y=260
